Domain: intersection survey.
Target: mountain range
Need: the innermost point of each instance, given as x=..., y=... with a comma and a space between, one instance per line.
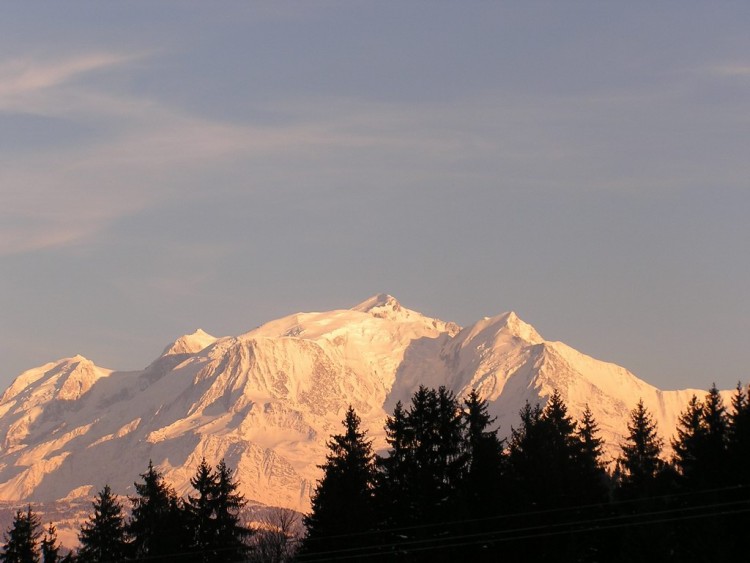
x=268, y=400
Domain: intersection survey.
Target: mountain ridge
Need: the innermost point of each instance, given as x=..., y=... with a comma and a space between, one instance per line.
x=268, y=399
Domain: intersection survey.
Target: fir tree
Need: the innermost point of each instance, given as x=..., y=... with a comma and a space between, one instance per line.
x=690, y=438
x=21, y=539
x=640, y=462
x=49, y=546
x=738, y=439
x=716, y=422
x=391, y=482
x=231, y=535
x=700, y=448
x=102, y=537
x=593, y=471
x=343, y=504
x=591, y=444
x=485, y=458
x=201, y=513
x=545, y=457
x=156, y=527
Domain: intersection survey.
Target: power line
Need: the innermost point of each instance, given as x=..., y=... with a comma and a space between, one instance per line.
x=536, y=531
x=527, y=513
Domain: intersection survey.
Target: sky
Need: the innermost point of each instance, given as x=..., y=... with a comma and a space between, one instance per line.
x=166, y=166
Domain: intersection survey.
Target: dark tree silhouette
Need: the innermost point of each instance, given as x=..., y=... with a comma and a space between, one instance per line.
x=231, y=535
x=102, y=537
x=546, y=457
x=595, y=480
x=688, y=444
x=421, y=478
x=738, y=439
x=701, y=446
x=716, y=423
x=485, y=458
x=49, y=546
x=392, y=483
x=200, y=513
x=21, y=538
x=342, y=504
x=640, y=462
x=156, y=528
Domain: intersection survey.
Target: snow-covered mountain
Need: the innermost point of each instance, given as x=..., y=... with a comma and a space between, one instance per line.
x=268, y=400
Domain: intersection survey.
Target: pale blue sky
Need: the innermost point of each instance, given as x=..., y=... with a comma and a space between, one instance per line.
x=174, y=165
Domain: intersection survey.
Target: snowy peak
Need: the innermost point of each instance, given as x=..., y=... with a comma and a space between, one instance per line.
x=189, y=343
x=387, y=307
x=491, y=330
x=66, y=379
x=518, y=328
x=380, y=305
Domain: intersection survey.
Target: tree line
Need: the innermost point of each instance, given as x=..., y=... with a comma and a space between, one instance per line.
x=449, y=489
x=204, y=527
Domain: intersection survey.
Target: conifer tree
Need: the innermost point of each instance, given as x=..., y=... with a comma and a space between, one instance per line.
x=545, y=457
x=391, y=481
x=591, y=443
x=701, y=445
x=593, y=472
x=21, y=539
x=421, y=479
x=716, y=422
x=640, y=462
x=201, y=514
x=738, y=440
x=485, y=458
x=688, y=444
x=49, y=546
x=102, y=537
x=231, y=535
x=526, y=443
x=156, y=526
x=343, y=504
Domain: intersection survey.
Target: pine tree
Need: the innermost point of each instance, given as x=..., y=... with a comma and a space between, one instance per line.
x=391, y=481
x=485, y=458
x=640, y=462
x=593, y=472
x=738, y=442
x=200, y=512
x=21, y=539
x=545, y=457
x=591, y=444
x=156, y=526
x=49, y=546
x=524, y=462
x=716, y=422
x=421, y=479
x=343, y=503
x=102, y=537
x=688, y=444
x=701, y=445
x=231, y=535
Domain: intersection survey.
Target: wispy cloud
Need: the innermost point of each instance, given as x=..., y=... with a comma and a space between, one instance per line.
x=150, y=151
x=731, y=69
x=20, y=79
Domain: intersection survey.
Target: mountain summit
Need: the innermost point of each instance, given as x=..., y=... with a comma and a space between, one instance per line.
x=267, y=400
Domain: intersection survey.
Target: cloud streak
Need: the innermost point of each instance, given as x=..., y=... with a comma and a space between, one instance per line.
x=732, y=69
x=20, y=79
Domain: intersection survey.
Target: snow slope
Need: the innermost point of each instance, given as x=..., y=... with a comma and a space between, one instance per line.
x=268, y=400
